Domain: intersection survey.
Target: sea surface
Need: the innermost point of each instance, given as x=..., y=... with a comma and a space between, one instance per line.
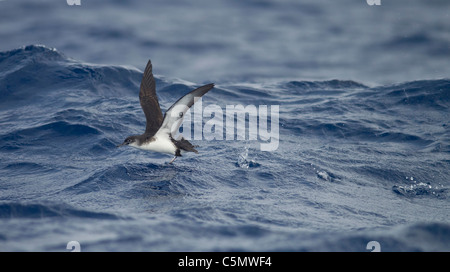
x=363, y=144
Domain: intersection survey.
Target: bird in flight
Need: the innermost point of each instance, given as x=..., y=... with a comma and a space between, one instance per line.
x=159, y=131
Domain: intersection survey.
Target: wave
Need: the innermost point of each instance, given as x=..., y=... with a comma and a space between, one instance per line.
x=420, y=189
x=432, y=236
x=46, y=134
x=149, y=180
x=434, y=94
x=33, y=72
x=37, y=69
x=40, y=210
x=339, y=139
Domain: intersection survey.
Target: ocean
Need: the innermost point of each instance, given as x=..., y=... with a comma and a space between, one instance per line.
x=358, y=109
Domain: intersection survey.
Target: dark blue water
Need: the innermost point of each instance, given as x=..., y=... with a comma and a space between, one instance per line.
x=364, y=144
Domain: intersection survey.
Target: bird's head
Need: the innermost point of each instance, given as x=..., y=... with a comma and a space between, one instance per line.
x=131, y=140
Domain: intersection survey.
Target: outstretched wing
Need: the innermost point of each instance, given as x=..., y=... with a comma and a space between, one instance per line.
x=175, y=114
x=149, y=101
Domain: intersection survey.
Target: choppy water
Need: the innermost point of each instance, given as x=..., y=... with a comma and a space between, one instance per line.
x=357, y=161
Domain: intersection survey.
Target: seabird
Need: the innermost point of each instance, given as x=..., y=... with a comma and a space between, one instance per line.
x=159, y=131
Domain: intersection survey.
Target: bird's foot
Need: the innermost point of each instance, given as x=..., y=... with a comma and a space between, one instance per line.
x=173, y=160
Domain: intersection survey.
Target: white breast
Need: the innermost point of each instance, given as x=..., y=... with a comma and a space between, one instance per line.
x=160, y=144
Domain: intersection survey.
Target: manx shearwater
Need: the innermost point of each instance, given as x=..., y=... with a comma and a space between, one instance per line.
x=159, y=131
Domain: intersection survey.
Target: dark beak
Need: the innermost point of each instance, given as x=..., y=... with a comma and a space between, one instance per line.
x=121, y=144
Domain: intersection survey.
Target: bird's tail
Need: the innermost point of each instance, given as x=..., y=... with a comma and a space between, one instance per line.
x=185, y=145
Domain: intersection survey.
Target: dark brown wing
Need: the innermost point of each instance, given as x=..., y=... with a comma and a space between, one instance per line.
x=149, y=101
